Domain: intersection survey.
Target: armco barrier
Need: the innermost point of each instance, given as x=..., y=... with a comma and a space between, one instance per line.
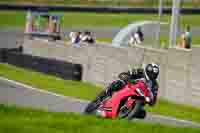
x=96, y=9
x=195, y=75
x=102, y=63
x=55, y=67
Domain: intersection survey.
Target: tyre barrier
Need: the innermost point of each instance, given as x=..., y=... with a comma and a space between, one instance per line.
x=62, y=69
x=4, y=51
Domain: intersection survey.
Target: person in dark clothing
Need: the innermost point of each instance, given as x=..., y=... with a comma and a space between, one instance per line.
x=136, y=37
x=87, y=37
x=149, y=74
x=188, y=37
x=141, y=35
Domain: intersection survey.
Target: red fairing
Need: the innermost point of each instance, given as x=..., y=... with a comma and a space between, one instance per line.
x=110, y=107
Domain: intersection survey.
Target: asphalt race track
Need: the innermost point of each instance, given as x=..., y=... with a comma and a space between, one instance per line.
x=19, y=94
x=14, y=93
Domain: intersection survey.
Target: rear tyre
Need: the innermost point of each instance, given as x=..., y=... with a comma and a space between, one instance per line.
x=123, y=112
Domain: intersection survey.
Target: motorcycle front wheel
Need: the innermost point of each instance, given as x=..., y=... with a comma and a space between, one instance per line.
x=91, y=107
x=137, y=112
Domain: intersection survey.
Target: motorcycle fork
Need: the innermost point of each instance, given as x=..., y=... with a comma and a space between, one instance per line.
x=130, y=103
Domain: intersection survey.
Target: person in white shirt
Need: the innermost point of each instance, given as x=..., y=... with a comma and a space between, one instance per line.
x=75, y=37
x=136, y=37
x=87, y=37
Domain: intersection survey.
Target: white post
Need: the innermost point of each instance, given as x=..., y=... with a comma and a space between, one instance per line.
x=174, y=22
x=160, y=12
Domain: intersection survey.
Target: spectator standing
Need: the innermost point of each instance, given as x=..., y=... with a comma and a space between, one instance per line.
x=29, y=23
x=140, y=34
x=188, y=37
x=137, y=37
x=87, y=37
x=75, y=37
x=132, y=40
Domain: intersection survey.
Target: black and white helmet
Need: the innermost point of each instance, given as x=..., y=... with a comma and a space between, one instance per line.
x=151, y=71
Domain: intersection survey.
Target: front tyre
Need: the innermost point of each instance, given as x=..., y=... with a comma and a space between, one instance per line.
x=139, y=114
x=91, y=107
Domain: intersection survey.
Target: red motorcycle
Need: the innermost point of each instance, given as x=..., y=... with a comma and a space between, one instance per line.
x=122, y=103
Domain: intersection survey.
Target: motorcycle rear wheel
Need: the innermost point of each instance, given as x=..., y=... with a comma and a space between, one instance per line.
x=123, y=112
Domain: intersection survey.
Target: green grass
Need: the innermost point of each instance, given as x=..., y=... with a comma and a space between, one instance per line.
x=23, y=120
x=196, y=40
x=134, y=3
x=50, y=83
x=167, y=108
x=12, y=19
x=72, y=19
x=88, y=91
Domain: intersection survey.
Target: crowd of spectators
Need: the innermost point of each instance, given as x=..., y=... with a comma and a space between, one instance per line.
x=78, y=37
x=136, y=38
x=185, y=42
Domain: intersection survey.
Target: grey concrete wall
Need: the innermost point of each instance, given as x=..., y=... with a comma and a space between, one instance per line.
x=178, y=79
x=10, y=38
x=195, y=74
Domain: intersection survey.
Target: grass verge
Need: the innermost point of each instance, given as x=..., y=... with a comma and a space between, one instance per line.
x=50, y=83
x=21, y=120
x=78, y=19
x=88, y=91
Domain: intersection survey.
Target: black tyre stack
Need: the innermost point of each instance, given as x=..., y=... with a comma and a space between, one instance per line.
x=62, y=69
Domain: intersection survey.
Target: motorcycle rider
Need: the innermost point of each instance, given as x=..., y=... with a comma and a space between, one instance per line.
x=149, y=74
